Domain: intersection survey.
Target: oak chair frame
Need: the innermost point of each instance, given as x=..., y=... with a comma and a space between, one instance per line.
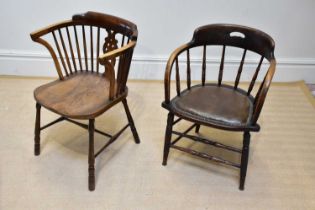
x=118, y=90
x=219, y=35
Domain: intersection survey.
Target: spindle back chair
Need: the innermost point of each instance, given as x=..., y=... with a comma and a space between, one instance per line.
x=92, y=54
x=218, y=105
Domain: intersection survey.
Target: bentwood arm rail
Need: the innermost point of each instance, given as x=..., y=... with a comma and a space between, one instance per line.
x=169, y=67
x=105, y=58
x=115, y=53
x=43, y=31
x=36, y=37
x=263, y=90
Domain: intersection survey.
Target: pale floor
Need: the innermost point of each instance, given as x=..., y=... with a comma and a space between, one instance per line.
x=280, y=174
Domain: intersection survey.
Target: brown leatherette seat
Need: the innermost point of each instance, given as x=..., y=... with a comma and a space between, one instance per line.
x=214, y=105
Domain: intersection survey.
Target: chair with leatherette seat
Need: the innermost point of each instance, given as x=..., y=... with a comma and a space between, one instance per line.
x=218, y=105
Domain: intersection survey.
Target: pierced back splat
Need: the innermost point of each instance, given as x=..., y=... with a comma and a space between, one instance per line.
x=110, y=44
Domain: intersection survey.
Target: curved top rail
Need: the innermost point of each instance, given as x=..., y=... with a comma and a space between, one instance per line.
x=117, y=24
x=236, y=36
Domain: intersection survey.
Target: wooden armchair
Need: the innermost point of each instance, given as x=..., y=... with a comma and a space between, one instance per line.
x=218, y=105
x=80, y=48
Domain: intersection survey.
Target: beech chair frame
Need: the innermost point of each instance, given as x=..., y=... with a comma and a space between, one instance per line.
x=72, y=60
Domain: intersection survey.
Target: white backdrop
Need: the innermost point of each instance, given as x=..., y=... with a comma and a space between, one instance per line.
x=163, y=25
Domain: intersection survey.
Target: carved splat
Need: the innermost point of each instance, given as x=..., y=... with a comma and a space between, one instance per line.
x=110, y=44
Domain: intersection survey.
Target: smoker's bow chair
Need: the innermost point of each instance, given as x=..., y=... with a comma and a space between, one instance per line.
x=218, y=105
x=85, y=89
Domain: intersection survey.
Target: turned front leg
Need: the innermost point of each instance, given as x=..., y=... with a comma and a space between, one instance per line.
x=244, y=159
x=91, y=156
x=168, y=136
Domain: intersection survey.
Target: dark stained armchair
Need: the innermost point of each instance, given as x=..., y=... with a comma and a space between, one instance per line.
x=92, y=53
x=218, y=105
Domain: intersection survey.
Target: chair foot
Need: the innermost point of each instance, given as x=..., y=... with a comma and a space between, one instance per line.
x=168, y=136
x=37, y=149
x=197, y=128
x=91, y=179
x=244, y=159
x=131, y=122
x=91, y=156
x=37, y=130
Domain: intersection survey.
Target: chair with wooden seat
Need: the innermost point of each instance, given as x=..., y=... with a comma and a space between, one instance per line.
x=92, y=54
x=218, y=105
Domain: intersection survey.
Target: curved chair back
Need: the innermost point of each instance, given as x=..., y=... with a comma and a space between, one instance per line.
x=235, y=36
x=226, y=35
x=88, y=40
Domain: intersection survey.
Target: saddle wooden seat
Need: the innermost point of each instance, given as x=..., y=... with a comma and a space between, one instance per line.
x=79, y=96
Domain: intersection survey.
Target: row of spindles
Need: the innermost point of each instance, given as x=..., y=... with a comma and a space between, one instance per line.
x=66, y=50
x=221, y=69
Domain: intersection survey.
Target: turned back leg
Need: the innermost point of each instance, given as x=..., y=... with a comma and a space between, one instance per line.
x=244, y=159
x=131, y=122
x=37, y=130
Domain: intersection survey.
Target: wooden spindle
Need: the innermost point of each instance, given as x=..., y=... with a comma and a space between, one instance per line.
x=258, y=94
x=60, y=54
x=85, y=49
x=122, y=41
x=65, y=51
x=177, y=78
x=98, y=49
x=71, y=50
x=126, y=68
x=240, y=69
x=78, y=47
x=121, y=65
x=188, y=70
x=204, y=64
x=252, y=83
x=92, y=57
x=221, y=66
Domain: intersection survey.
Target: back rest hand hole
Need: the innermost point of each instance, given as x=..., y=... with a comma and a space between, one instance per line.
x=237, y=34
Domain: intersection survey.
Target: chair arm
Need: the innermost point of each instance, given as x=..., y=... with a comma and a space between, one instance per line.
x=263, y=90
x=168, y=70
x=43, y=31
x=104, y=60
x=115, y=53
x=36, y=37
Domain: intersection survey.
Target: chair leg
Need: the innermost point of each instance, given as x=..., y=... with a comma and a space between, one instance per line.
x=37, y=130
x=168, y=136
x=91, y=156
x=244, y=159
x=197, y=128
x=131, y=123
